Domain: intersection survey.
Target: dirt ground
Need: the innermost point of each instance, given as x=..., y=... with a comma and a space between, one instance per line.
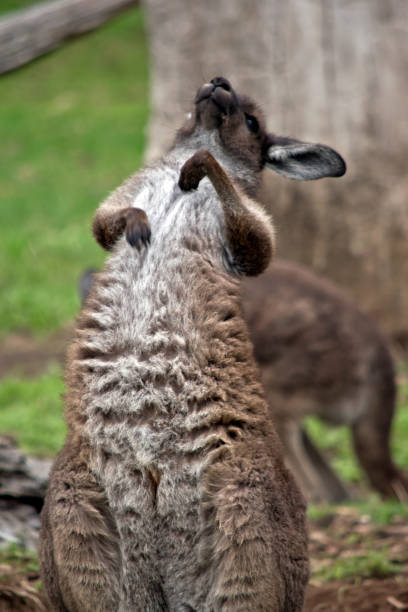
x=22, y=354
x=344, y=535
x=347, y=535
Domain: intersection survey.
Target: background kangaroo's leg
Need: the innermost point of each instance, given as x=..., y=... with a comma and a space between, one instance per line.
x=313, y=474
x=333, y=490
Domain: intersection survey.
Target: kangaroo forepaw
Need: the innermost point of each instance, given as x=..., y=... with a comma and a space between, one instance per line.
x=194, y=170
x=137, y=230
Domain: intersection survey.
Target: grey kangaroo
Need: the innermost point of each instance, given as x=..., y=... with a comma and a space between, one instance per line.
x=170, y=492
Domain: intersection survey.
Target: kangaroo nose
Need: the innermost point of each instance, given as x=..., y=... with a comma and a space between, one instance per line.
x=221, y=82
x=215, y=100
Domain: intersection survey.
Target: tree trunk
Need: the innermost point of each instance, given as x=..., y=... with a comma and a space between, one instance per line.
x=324, y=70
x=26, y=34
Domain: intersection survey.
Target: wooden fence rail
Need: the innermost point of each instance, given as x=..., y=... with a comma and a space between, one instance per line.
x=31, y=32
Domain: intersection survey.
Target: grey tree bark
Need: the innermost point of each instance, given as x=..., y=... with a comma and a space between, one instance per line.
x=324, y=70
x=29, y=33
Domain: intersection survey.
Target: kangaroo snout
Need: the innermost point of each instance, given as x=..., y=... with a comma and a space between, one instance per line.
x=206, y=90
x=214, y=100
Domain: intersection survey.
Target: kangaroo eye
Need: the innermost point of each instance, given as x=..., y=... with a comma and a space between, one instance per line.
x=252, y=123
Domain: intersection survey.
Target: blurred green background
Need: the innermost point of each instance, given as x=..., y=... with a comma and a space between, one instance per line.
x=72, y=126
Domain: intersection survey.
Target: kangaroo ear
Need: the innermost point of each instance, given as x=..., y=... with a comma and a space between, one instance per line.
x=302, y=161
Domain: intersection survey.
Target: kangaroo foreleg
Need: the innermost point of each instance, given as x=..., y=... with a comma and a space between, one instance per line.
x=249, y=240
x=132, y=222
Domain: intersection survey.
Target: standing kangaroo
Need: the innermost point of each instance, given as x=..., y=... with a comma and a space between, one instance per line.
x=170, y=492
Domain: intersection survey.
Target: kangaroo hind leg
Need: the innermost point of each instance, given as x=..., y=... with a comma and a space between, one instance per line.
x=79, y=552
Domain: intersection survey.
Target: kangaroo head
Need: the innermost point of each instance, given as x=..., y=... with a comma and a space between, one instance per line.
x=237, y=124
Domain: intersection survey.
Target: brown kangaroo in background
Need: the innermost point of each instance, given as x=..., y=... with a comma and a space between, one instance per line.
x=320, y=355
x=170, y=492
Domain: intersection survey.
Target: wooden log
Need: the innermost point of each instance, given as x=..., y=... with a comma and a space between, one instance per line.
x=23, y=481
x=21, y=477
x=29, y=33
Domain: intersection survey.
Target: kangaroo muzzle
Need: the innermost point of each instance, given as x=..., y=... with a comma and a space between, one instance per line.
x=215, y=100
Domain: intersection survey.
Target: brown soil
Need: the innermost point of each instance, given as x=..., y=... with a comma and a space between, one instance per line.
x=372, y=596
x=19, y=591
x=22, y=354
x=349, y=534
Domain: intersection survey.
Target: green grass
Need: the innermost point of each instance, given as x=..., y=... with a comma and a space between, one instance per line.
x=72, y=127
x=373, y=564
x=32, y=412
x=380, y=512
x=13, y=5
x=21, y=559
